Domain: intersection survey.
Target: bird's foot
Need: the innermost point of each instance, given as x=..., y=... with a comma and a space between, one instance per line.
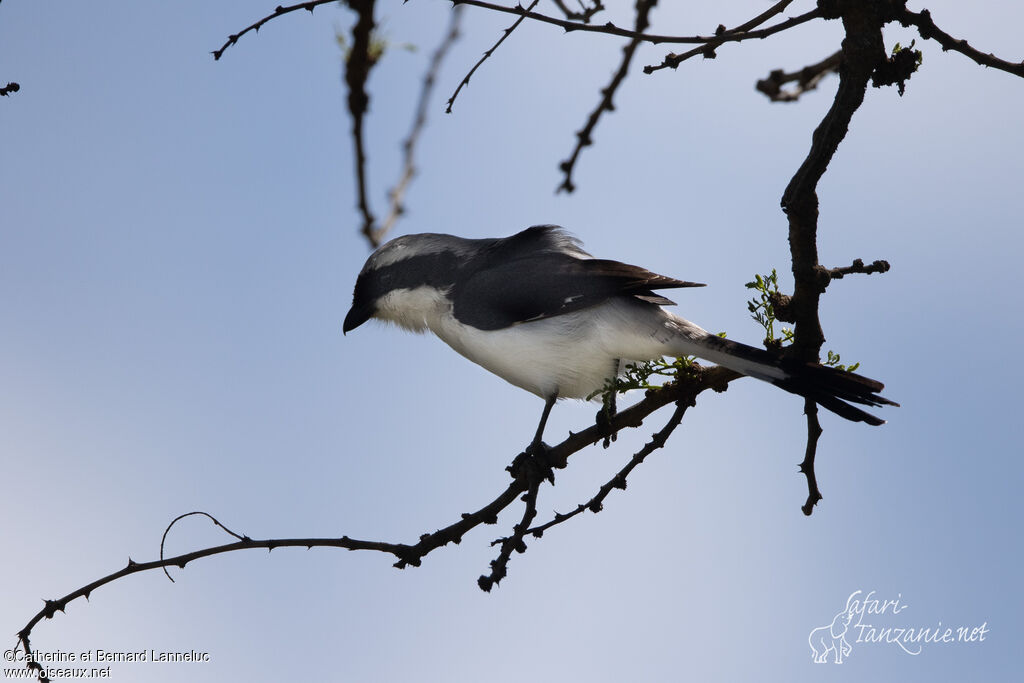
x=534, y=463
x=604, y=425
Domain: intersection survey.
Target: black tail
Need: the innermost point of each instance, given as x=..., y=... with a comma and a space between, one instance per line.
x=830, y=388
x=834, y=390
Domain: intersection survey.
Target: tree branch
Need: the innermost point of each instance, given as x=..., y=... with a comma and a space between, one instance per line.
x=596, y=504
x=806, y=79
x=278, y=11
x=862, y=51
x=584, y=137
x=611, y=29
x=858, y=266
x=397, y=193
x=11, y=87
x=357, y=71
x=525, y=480
x=585, y=14
x=807, y=466
x=742, y=32
x=928, y=30
x=465, y=80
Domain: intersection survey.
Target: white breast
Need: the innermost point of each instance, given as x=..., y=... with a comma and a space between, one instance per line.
x=571, y=355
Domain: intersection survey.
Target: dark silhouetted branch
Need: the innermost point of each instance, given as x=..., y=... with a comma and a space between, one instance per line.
x=9, y=88
x=807, y=466
x=584, y=137
x=928, y=30
x=280, y=10
x=611, y=29
x=584, y=15
x=357, y=71
x=465, y=79
x=397, y=193
x=862, y=51
x=806, y=79
x=596, y=504
x=744, y=31
x=858, y=266
x=526, y=480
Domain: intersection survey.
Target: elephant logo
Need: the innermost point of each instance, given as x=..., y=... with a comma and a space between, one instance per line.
x=832, y=638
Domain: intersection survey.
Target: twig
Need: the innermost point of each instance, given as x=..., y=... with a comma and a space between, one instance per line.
x=499, y=565
x=611, y=29
x=807, y=466
x=806, y=79
x=585, y=14
x=858, y=266
x=742, y=32
x=397, y=193
x=278, y=11
x=465, y=80
x=715, y=378
x=9, y=88
x=357, y=71
x=584, y=137
x=863, y=50
x=174, y=521
x=928, y=30
x=596, y=504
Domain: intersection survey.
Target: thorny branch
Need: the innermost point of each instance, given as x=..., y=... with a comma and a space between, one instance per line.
x=526, y=480
x=280, y=10
x=806, y=79
x=584, y=137
x=585, y=14
x=928, y=30
x=862, y=54
x=357, y=70
x=465, y=79
x=611, y=29
x=744, y=31
x=397, y=193
x=596, y=504
x=858, y=266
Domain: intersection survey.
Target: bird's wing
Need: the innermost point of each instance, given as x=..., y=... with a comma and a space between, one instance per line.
x=515, y=287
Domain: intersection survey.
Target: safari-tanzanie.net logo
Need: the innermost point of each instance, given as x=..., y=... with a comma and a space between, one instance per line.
x=872, y=620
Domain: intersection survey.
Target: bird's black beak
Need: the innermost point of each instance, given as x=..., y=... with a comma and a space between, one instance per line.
x=356, y=317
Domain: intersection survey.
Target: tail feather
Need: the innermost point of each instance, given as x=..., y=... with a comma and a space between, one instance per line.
x=831, y=388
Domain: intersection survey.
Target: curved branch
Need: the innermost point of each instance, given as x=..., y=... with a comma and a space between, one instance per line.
x=256, y=26
x=806, y=79
x=465, y=79
x=397, y=193
x=584, y=137
x=715, y=378
x=611, y=29
x=862, y=51
x=357, y=71
x=596, y=504
x=928, y=30
x=742, y=32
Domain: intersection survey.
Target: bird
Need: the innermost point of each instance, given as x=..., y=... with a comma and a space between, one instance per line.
x=544, y=315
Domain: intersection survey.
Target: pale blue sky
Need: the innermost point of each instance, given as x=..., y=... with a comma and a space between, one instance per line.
x=178, y=244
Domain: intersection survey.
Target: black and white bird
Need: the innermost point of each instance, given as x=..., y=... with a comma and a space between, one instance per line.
x=544, y=315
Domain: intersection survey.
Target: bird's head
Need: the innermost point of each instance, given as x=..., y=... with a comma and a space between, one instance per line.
x=406, y=280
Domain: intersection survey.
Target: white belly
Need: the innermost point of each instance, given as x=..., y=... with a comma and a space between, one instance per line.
x=570, y=355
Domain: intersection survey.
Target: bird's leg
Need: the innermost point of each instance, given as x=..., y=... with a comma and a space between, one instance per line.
x=538, y=439
x=536, y=454
x=607, y=412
